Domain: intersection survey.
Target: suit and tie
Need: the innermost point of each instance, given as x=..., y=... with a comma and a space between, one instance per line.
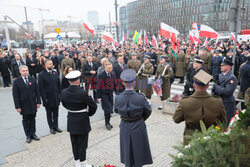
x=26, y=96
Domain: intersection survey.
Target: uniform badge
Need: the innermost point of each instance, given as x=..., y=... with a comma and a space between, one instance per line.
x=231, y=81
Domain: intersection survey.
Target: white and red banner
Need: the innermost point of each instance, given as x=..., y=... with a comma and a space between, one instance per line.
x=107, y=36
x=206, y=31
x=191, y=37
x=89, y=27
x=205, y=43
x=123, y=37
x=154, y=41
x=159, y=37
x=232, y=36
x=166, y=30
x=145, y=38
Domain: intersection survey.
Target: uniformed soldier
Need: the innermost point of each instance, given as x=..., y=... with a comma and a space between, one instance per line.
x=134, y=111
x=193, y=69
x=67, y=61
x=180, y=66
x=207, y=58
x=165, y=72
x=226, y=87
x=199, y=106
x=135, y=64
x=145, y=73
x=80, y=106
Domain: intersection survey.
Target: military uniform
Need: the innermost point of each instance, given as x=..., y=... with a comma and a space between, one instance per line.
x=68, y=62
x=80, y=107
x=245, y=75
x=199, y=106
x=134, y=111
x=180, y=66
x=207, y=61
x=147, y=71
x=165, y=78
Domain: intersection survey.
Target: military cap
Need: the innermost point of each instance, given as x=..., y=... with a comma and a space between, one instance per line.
x=230, y=51
x=73, y=75
x=146, y=57
x=202, y=78
x=227, y=61
x=90, y=51
x=197, y=59
x=133, y=54
x=128, y=75
x=148, y=53
x=163, y=57
x=205, y=49
x=217, y=51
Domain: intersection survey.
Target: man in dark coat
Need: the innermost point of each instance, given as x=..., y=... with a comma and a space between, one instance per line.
x=32, y=64
x=15, y=64
x=245, y=77
x=90, y=73
x=76, y=101
x=4, y=69
x=106, y=85
x=226, y=88
x=119, y=67
x=50, y=89
x=27, y=99
x=215, y=64
x=134, y=110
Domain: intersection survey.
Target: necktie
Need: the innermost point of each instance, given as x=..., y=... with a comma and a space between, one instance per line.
x=122, y=67
x=26, y=81
x=109, y=75
x=18, y=63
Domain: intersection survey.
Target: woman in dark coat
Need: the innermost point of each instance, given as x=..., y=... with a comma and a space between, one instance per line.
x=65, y=82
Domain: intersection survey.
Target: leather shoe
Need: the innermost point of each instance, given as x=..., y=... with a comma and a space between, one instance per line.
x=58, y=130
x=28, y=140
x=52, y=131
x=108, y=126
x=35, y=137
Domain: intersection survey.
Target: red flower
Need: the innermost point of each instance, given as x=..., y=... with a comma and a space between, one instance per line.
x=30, y=83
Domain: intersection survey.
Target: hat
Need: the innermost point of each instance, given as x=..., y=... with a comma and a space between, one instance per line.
x=128, y=75
x=148, y=53
x=73, y=75
x=163, y=57
x=90, y=51
x=230, y=51
x=133, y=54
x=216, y=51
x=202, y=78
x=197, y=59
x=227, y=61
x=146, y=57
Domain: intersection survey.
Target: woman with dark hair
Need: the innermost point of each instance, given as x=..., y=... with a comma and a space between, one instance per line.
x=65, y=82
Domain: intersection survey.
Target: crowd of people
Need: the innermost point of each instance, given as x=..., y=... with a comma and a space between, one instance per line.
x=47, y=74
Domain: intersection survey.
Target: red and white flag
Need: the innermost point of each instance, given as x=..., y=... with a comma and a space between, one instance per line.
x=29, y=35
x=154, y=41
x=114, y=23
x=191, y=37
x=145, y=38
x=159, y=37
x=123, y=37
x=205, y=43
x=206, y=31
x=89, y=27
x=166, y=30
x=196, y=39
x=107, y=36
x=232, y=36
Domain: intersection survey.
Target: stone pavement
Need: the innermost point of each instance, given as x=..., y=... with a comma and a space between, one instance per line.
x=55, y=150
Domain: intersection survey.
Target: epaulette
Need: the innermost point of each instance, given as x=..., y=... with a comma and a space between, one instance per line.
x=216, y=96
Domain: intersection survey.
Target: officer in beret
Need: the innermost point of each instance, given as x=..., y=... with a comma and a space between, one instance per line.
x=191, y=72
x=199, y=106
x=226, y=87
x=134, y=110
x=80, y=106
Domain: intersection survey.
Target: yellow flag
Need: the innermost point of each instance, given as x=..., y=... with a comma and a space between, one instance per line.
x=57, y=30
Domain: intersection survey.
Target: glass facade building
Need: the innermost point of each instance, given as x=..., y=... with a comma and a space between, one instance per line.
x=123, y=21
x=180, y=14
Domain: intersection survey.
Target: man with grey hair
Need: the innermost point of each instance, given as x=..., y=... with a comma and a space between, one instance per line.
x=26, y=97
x=15, y=64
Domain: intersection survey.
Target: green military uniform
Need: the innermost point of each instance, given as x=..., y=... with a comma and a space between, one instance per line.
x=207, y=61
x=180, y=65
x=144, y=87
x=247, y=96
x=240, y=94
x=134, y=64
x=165, y=78
x=171, y=59
x=68, y=62
x=196, y=107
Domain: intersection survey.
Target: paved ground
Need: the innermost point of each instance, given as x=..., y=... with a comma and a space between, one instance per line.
x=55, y=150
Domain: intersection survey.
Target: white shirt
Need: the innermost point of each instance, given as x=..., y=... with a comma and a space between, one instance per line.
x=25, y=80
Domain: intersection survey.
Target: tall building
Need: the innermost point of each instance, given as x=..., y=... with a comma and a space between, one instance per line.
x=180, y=14
x=93, y=17
x=123, y=21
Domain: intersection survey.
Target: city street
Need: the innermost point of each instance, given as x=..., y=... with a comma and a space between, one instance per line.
x=55, y=150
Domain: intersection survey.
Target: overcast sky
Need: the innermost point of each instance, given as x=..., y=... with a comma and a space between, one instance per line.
x=59, y=9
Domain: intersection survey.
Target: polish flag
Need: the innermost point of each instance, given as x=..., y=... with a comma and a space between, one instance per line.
x=191, y=37
x=173, y=39
x=205, y=43
x=123, y=37
x=89, y=27
x=166, y=30
x=206, y=31
x=178, y=43
x=107, y=36
x=29, y=35
x=159, y=37
x=232, y=36
x=145, y=38
x=154, y=41
x=196, y=39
